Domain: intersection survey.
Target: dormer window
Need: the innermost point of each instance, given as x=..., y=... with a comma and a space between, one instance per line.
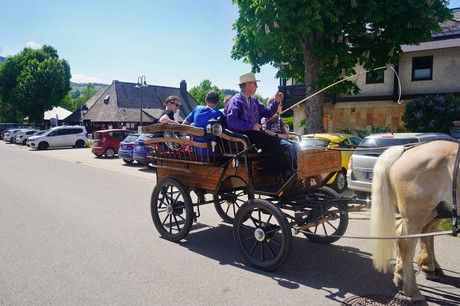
x=106, y=99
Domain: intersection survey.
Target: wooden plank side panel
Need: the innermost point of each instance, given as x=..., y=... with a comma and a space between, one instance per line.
x=316, y=162
x=190, y=174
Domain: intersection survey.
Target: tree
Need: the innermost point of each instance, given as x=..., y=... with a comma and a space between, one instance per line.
x=321, y=41
x=85, y=95
x=199, y=92
x=33, y=82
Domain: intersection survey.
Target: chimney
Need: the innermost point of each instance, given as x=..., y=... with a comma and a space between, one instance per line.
x=183, y=88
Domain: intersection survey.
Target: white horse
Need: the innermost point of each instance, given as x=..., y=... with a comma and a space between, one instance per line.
x=418, y=181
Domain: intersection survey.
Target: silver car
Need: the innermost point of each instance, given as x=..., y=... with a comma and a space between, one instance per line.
x=361, y=165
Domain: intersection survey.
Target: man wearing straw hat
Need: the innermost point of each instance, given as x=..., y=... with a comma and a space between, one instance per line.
x=244, y=113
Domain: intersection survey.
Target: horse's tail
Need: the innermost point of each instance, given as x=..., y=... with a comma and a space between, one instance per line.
x=383, y=209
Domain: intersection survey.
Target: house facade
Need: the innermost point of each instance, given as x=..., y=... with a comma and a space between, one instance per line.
x=427, y=69
x=128, y=105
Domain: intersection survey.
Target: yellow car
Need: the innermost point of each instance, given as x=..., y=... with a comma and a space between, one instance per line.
x=334, y=140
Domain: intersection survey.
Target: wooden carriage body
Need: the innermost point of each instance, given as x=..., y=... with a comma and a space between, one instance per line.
x=191, y=156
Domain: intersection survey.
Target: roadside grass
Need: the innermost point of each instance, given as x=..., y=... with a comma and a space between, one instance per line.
x=446, y=225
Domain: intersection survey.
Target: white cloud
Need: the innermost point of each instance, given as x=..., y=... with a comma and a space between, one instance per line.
x=33, y=45
x=81, y=78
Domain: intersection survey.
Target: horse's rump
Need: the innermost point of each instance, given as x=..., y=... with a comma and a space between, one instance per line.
x=417, y=180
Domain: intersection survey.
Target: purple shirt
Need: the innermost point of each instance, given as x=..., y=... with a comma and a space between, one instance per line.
x=243, y=112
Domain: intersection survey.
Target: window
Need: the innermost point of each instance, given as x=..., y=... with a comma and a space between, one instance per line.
x=375, y=77
x=422, y=68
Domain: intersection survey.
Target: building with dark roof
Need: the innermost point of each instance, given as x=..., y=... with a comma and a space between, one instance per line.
x=119, y=105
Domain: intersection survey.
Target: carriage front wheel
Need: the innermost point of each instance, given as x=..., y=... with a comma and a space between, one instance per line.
x=172, y=209
x=262, y=234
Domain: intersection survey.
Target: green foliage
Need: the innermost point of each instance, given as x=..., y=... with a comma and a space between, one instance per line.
x=199, y=92
x=363, y=133
x=260, y=98
x=85, y=95
x=289, y=121
x=32, y=82
x=432, y=113
x=321, y=41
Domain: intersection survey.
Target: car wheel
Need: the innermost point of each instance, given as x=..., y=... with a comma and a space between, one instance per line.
x=80, y=143
x=12, y=140
x=42, y=145
x=98, y=155
x=109, y=152
x=24, y=142
x=340, y=182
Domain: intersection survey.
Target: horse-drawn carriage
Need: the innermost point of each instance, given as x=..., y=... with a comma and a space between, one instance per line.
x=194, y=164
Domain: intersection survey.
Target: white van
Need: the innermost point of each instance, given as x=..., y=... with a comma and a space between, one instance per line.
x=60, y=136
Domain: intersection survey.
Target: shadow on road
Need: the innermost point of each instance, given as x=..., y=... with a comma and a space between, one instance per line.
x=333, y=269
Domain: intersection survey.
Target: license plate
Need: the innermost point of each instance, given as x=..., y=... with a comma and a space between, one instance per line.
x=369, y=176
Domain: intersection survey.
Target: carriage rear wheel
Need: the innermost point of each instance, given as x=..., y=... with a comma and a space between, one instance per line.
x=228, y=203
x=334, y=218
x=262, y=234
x=172, y=209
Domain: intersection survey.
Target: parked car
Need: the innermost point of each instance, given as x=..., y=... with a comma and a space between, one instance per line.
x=141, y=153
x=60, y=136
x=107, y=142
x=125, y=151
x=24, y=134
x=360, y=168
x=334, y=140
x=10, y=135
x=10, y=126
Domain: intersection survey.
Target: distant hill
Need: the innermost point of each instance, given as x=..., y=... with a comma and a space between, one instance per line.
x=83, y=85
x=2, y=59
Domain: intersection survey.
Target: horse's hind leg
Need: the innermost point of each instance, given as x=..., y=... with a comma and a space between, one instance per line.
x=427, y=258
x=407, y=251
x=398, y=268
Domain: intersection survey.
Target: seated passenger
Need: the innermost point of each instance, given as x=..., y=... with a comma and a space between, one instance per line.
x=201, y=115
x=244, y=113
x=172, y=105
x=276, y=126
x=226, y=99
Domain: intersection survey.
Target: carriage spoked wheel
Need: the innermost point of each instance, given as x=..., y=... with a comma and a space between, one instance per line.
x=228, y=203
x=262, y=234
x=334, y=218
x=172, y=209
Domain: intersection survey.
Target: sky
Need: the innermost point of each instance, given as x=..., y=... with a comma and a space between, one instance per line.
x=106, y=40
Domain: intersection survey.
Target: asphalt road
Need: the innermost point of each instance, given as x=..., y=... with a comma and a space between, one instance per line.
x=76, y=230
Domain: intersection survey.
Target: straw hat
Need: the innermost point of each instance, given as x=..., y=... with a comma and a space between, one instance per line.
x=248, y=78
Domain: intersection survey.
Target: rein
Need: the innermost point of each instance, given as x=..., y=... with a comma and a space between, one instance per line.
x=338, y=82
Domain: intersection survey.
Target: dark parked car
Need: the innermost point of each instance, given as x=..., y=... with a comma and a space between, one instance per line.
x=125, y=151
x=141, y=153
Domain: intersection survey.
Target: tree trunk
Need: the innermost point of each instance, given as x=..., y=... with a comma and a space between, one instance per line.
x=314, y=106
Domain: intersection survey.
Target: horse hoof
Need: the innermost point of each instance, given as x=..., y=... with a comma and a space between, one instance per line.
x=439, y=272
x=430, y=275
